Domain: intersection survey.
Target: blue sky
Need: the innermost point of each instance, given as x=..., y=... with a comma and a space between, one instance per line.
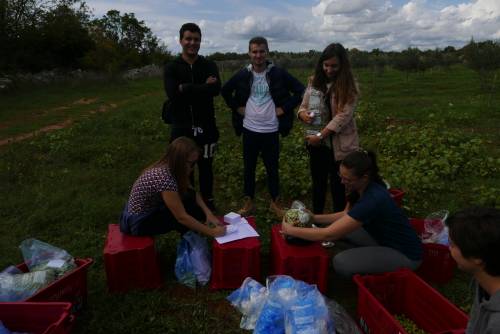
x=301, y=25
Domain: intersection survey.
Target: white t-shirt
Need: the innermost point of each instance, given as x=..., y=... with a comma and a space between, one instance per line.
x=260, y=111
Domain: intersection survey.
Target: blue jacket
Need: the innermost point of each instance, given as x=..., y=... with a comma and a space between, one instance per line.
x=286, y=92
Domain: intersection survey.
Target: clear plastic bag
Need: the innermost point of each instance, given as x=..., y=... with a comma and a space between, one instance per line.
x=19, y=287
x=11, y=270
x=286, y=306
x=344, y=323
x=435, y=230
x=281, y=289
x=297, y=215
x=200, y=257
x=307, y=312
x=39, y=255
x=184, y=270
x=249, y=299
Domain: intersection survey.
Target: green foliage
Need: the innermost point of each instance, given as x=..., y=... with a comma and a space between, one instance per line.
x=122, y=41
x=484, y=58
x=409, y=326
x=43, y=34
x=60, y=34
x=427, y=160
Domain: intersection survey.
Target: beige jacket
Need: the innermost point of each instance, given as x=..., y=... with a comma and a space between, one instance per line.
x=345, y=137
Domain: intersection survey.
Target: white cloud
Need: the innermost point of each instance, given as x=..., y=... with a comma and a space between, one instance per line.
x=227, y=25
x=274, y=28
x=366, y=24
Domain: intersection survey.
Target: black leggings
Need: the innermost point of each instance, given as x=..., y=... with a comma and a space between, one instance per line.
x=207, y=142
x=323, y=167
x=163, y=221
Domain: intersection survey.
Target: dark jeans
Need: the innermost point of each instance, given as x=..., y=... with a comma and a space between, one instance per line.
x=163, y=221
x=323, y=167
x=207, y=141
x=268, y=144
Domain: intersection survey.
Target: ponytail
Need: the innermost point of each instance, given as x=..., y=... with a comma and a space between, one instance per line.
x=362, y=163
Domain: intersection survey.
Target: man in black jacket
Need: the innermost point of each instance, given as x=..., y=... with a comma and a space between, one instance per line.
x=191, y=83
x=262, y=98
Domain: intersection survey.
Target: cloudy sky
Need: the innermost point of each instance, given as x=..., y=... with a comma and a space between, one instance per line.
x=301, y=25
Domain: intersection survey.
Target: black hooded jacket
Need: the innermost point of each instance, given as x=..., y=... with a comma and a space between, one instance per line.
x=194, y=106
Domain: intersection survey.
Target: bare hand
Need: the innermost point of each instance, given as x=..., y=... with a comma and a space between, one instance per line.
x=211, y=79
x=313, y=140
x=279, y=111
x=212, y=219
x=241, y=111
x=304, y=117
x=218, y=231
x=285, y=227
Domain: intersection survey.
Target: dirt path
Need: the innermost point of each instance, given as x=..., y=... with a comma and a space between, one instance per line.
x=105, y=107
x=27, y=135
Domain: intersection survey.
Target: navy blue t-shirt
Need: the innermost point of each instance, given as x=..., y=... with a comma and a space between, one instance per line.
x=386, y=222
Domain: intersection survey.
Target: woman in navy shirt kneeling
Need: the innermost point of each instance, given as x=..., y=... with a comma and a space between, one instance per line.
x=382, y=234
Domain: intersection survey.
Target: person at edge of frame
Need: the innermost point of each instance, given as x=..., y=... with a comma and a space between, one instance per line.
x=474, y=235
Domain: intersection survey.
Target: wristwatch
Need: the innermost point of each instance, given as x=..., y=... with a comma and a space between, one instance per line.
x=319, y=135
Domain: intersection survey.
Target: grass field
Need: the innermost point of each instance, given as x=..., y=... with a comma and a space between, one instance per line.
x=436, y=134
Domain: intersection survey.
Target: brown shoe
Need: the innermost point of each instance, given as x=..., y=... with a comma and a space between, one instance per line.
x=277, y=209
x=248, y=207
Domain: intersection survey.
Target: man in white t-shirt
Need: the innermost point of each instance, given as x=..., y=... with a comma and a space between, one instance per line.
x=262, y=98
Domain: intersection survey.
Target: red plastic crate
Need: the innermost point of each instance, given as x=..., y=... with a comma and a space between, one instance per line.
x=232, y=262
x=37, y=318
x=130, y=261
x=438, y=265
x=72, y=287
x=397, y=195
x=380, y=297
x=308, y=263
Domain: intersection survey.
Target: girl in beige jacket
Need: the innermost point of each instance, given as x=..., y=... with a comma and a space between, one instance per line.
x=328, y=110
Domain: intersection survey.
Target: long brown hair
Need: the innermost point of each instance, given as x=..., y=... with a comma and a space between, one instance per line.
x=176, y=159
x=344, y=86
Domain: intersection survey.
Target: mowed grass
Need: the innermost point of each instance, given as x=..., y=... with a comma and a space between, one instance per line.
x=65, y=186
